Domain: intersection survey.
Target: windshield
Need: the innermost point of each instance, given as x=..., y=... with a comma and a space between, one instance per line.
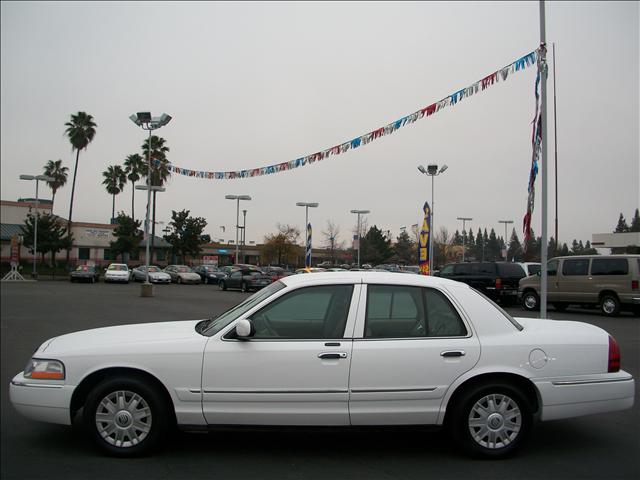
x=114, y=266
x=184, y=270
x=230, y=315
x=84, y=268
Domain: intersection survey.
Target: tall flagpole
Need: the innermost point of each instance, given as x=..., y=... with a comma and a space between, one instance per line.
x=543, y=110
x=555, y=145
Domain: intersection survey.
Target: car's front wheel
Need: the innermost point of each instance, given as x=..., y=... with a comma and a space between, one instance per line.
x=530, y=301
x=609, y=305
x=244, y=287
x=491, y=421
x=126, y=416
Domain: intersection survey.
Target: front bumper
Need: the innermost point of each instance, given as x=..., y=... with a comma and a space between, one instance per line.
x=43, y=401
x=566, y=397
x=109, y=278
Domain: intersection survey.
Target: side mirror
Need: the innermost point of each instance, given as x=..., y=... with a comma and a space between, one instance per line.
x=245, y=329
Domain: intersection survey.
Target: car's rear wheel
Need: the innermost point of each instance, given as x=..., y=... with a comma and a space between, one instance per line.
x=244, y=287
x=609, y=305
x=126, y=416
x=530, y=300
x=490, y=420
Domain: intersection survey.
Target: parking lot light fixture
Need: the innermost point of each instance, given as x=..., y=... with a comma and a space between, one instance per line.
x=147, y=122
x=37, y=178
x=432, y=171
x=237, y=198
x=359, y=212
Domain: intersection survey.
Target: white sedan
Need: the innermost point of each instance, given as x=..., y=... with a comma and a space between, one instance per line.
x=117, y=272
x=340, y=349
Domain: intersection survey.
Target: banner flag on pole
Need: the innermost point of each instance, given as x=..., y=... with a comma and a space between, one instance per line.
x=425, y=240
x=307, y=255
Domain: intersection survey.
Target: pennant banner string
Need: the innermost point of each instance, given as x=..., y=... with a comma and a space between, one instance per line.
x=450, y=100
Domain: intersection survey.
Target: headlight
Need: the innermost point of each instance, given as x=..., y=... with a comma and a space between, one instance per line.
x=44, y=369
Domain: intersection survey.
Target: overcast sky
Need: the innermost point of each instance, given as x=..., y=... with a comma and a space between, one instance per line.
x=254, y=84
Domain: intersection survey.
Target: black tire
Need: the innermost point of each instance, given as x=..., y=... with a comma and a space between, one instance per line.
x=222, y=286
x=244, y=287
x=179, y=281
x=206, y=280
x=560, y=307
x=609, y=305
x=115, y=430
x=93, y=280
x=478, y=424
x=530, y=301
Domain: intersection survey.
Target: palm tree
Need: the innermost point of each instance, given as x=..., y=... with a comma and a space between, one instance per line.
x=159, y=174
x=80, y=131
x=59, y=174
x=114, y=180
x=134, y=166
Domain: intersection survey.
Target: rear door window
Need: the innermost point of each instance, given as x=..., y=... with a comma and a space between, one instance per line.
x=609, y=266
x=510, y=270
x=463, y=269
x=575, y=267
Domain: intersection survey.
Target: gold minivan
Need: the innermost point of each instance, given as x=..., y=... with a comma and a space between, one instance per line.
x=609, y=282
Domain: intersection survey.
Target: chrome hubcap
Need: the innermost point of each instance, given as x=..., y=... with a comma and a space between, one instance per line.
x=123, y=419
x=495, y=421
x=609, y=305
x=530, y=301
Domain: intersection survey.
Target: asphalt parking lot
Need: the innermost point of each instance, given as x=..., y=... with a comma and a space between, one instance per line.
x=600, y=446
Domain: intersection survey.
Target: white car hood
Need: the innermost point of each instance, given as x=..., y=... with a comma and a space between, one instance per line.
x=142, y=334
x=159, y=275
x=117, y=273
x=189, y=275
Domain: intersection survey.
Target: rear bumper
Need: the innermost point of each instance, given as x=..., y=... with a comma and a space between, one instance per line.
x=566, y=397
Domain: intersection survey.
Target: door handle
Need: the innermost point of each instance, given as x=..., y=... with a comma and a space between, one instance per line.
x=452, y=353
x=332, y=355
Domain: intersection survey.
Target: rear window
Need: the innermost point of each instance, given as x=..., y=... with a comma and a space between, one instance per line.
x=510, y=270
x=609, y=266
x=483, y=268
x=533, y=269
x=575, y=267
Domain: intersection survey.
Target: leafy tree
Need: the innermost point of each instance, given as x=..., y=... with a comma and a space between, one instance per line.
x=375, y=247
x=589, y=250
x=186, y=235
x=470, y=244
x=159, y=173
x=552, y=248
x=622, y=225
x=128, y=236
x=52, y=236
x=331, y=235
x=59, y=174
x=133, y=167
x=281, y=247
x=406, y=249
x=80, y=130
x=457, y=238
x=493, y=247
x=114, y=181
x=441, y=245
x=564, y=251
x=635, y=223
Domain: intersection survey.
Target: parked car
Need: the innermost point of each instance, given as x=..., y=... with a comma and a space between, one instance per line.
x=497, y=280
x=117, y=272
x=245, y=280
x=85, y=273
x=310, y=270
x=209, y=273
x=609, y=282
x=410, y=269
x=530, y=268
x=343, y=349
x=276, y=273
x=389, y=267
x=156, y=275
x=182, y=274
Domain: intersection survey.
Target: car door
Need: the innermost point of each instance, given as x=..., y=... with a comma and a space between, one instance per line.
x=235, y=279
x=294, y=370
x=410, y=345
x=575, y=284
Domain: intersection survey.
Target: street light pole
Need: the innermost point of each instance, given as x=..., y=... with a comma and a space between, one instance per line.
x=432, y=171
x=464, y=233
x=306, y=221
x=359, y=212
x=37, y=178
x=244, y=232
x=147, y=122
x=506, y=222
x=237, y=198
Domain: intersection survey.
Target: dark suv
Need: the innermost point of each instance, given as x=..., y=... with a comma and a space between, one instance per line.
x=497, y=280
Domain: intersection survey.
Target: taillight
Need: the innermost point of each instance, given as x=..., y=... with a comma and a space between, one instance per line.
x=634, y=284
x=614, y=355
x=498, y=283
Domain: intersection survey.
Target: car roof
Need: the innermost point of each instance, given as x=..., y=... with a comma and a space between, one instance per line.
x=390, y=278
